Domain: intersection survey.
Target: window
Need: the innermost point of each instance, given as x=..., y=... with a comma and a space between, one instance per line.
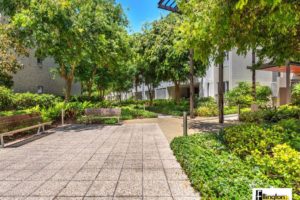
x=227, y=55
x=39, y=62
x=274, y=76
x=40, y=89
x=226, y=85
x=208, y=89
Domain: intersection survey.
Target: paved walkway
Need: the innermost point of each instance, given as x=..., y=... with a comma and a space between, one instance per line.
x=129, y=162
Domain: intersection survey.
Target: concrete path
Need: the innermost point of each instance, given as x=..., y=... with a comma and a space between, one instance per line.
x=129, y=162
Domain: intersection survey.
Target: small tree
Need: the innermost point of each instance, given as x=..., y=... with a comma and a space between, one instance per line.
x=296, y=94
x=241, y=95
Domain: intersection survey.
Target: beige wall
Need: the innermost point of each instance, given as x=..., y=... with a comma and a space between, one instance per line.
x=33, y=75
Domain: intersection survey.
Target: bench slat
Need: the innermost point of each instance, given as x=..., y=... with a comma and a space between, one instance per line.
x=25, y=129
x=105, y=112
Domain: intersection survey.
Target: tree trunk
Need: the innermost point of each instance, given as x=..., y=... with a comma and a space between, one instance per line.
x=253, y=76
x=192, y=89
x=177, y=91
x=221, y=93
x=150, y=91
x=136, y=88
x=89, y=86
x=69, y=82
x=288, y=82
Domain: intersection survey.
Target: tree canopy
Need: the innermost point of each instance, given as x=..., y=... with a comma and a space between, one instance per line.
x=73, y=33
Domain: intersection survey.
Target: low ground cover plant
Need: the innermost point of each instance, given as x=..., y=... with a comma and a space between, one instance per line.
x=219, y=172
x=216, y=172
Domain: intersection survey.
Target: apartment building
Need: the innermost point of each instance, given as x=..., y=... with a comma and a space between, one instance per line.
x=235, y=71
x=38, y=76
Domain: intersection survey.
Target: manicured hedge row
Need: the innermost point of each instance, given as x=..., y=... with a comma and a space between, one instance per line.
x=218, y=172
x=215, y=172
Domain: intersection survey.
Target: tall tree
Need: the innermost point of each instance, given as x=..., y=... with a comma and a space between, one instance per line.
x=68, y=30
x=10, y=48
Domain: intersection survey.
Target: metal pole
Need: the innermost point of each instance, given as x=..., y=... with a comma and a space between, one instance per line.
x=62, y=117
x=185, y=132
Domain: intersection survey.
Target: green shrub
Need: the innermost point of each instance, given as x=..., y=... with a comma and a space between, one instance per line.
x=296, y=94
x=207, y=111
x=6, y=98
x=291, y=128
x=245, y=138
x=169, y=107
x=282, y=164
x=271, y=114
x=28, y=100
x=215, y=172
x=131, y=113
x=97, y=120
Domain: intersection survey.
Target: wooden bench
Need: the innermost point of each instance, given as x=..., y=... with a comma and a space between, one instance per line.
x=103, y=113
x=20, y=123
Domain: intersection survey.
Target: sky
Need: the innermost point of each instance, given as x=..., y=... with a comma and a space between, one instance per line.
x=140, y=11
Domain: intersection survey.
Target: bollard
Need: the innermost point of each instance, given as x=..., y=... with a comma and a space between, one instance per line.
x=185, y=131
x=62, y=117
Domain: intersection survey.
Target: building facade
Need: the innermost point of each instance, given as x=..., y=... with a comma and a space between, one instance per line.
x=37, y=76
x=235, y=71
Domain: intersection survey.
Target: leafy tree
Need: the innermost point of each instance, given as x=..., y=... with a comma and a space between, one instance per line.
x=71, y=31
x=241, y=95
x=174, y=63
x=296, y=94
x=9, y=50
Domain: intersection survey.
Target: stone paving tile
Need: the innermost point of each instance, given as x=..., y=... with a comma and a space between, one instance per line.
x=171, y=164
x=86, y=175
x=64, y=175
x=109, y=174
x=156, y=188
x=6, y=185
x=76, y=188
x=102, y=188
x=42, y=175
x=129, y=162
x=152, y=164
x=21, y=175
x=25, y=188
x=154, y=174
x=129, y=188
x=131, y=175
x=6, y=173
x=39, y=198
x=176, y=174
x=50, y=188
x=182, y=189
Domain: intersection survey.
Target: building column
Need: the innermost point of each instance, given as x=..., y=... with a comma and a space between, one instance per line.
x=143, y=92
x=167, y=93
x=288, y=83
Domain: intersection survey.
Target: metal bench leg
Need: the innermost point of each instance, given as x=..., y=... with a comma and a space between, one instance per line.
x=2, y=141
x=39, y=131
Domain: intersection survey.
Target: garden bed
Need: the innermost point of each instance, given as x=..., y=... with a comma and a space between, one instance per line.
x=229, y=164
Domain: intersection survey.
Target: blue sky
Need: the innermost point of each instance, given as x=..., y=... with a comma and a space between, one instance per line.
x=140, y=11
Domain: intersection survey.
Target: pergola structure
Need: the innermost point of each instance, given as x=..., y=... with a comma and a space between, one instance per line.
x=291, y=67
x=169, y=5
